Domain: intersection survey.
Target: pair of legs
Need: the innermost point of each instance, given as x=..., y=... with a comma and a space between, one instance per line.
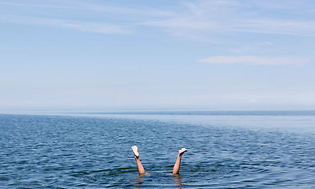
x=176, y=165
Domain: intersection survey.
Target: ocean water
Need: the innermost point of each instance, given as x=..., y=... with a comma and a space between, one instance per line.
x=225, y=150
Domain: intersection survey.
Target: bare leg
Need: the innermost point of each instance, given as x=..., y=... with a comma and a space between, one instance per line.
x=140, y=167
x=177, y=163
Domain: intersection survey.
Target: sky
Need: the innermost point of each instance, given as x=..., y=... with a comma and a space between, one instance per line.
x=182, y=54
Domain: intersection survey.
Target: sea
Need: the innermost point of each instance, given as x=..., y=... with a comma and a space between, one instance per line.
x=226, y=149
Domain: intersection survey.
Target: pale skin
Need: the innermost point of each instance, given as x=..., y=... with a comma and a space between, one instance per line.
x=179, y=158
x=176, y=165
x=139, y=164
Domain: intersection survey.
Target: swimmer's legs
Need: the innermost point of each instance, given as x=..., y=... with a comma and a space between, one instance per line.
x=140, y=167
x=179, y=158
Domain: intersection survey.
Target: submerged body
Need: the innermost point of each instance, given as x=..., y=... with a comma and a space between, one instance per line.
x=141, y=169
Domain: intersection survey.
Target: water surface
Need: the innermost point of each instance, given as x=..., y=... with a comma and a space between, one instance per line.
x=93, y=151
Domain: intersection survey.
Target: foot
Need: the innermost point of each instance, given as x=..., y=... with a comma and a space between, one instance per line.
x=135, y=151
x=182, y=151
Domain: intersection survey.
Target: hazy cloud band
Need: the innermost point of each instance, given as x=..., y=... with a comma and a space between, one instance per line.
x=255, y=60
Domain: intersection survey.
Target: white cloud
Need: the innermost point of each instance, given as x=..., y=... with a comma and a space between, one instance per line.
x=93, y=7
x=265, y=26
x=122, y=10
x=252, y=101
x=182, y=22
x=276, y=26
x=254, y=60
x=196, y=37
x=251, y=47
x=201, y=19
x=219, y=16
x=35, y=5
x=97, y=27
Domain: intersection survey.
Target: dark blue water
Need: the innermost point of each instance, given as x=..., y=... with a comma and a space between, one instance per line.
x=224, y=151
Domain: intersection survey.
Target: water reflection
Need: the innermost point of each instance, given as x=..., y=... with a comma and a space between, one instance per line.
x=139, y=180
x=178, y=179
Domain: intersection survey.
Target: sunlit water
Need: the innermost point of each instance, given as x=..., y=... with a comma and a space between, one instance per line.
x=93, y=150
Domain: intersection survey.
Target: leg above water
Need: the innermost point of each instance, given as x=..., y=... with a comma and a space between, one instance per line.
x=177, y=163
x=139, y=165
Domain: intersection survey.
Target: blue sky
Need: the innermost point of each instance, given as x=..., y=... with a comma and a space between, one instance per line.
x=198, y=54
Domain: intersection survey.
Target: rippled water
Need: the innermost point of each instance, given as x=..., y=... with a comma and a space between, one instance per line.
x=227, y=151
